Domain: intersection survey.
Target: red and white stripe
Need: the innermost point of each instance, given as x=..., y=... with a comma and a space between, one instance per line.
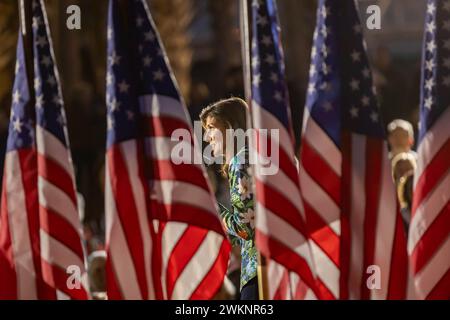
x=352, y=215
x=40, y=228
x=320, y=175
x=280, y=230
x=165, y=240
x=429, y=233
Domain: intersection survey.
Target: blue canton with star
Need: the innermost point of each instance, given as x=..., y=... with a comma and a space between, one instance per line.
x=48, y=111
x=136, y=66
x=268, y=82
x=435, y=83
x=340, y=94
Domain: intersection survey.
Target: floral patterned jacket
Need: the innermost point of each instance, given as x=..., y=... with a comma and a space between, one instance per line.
x=240, y=220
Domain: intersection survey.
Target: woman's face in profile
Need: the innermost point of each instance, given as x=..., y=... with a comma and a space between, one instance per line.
x=215, y=135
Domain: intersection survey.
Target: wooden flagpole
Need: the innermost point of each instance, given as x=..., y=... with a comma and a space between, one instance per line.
x=245, y=17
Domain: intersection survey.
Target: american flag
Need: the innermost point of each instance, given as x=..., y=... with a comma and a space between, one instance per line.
x=429, y=233
x=345, y=176
x=280, y=228
x=39, y=227
x=164, y=238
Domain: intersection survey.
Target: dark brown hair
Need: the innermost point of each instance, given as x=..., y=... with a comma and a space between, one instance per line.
x=231, y=112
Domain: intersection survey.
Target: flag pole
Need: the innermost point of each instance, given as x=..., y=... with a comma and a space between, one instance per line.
x=245, y=16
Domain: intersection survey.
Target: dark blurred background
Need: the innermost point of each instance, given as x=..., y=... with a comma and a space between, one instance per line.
x=202, y=39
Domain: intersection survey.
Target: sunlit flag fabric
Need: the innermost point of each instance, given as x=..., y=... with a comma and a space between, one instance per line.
x=280, y=229
x=39, y=222
x=429, y=234
x=164, y=238
x=345, y=176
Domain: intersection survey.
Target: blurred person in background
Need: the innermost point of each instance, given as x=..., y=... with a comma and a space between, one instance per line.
x=403, y=167
x=239, y=221
x=400, y=138
x=97, y=274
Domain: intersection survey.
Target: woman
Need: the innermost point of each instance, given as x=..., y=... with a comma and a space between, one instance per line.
x=239, y=221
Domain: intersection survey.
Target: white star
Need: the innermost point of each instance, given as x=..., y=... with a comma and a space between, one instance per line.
x=313, y=52
x=16, y=96
x=429, y=84
x=46, y=60
x=325, y=11
x=51, y=80
x=429, y=65
x=256, y=4
x=37, y=83
x=254, y=44
x=149, y=36
x=354, y=84
x=277, y=96
x=356, y=56
x=256, y=80
x=324, y=51
x=357, y=28
x=139, y=21
x=114, y=58
x=110, y=123
x=311, y=88
x=374, y=116
x=327, y=106
x=147, y=60
x=354, y=112
x=41, y=41
x=57, y=100
x=114, y=104
x=158, y=75
x=326, y=86
x=366, y=72
x=17, y=67
x=325, y=68
x=255, y=62
x=312, y=70
x=39, y=101
x=17, y=124
x=266, y=40
x=123, y=86
x=109, y=78
x=428, y=103
x=324, y=31
x=431, y=8
x=36, y=22
x=431, y=46
x=365, y=100
x=274, y=77
x=270, y=59
x=262, y=20
x=446, y=81
x=431, y=26
x=109, y=33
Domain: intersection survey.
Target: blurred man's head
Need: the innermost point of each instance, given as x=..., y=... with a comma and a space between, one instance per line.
x=96, y=271
x=400, y=136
